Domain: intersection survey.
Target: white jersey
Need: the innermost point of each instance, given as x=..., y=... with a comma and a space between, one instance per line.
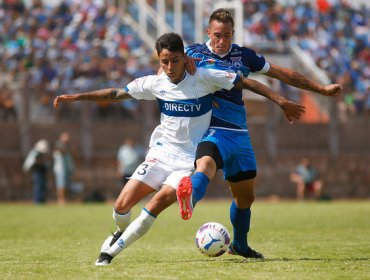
x=185, y=107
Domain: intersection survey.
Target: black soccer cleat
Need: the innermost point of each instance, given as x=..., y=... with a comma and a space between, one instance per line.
x=104, y=259
x=250, y=253
x=115, y=237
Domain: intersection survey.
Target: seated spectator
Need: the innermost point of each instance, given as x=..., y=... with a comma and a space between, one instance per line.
x=306, y=179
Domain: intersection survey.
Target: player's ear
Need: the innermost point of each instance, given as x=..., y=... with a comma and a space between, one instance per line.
x=208, y=32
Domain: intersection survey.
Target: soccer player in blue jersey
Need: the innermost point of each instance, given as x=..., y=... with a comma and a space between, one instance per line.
x=227, y=143
x=186, y=106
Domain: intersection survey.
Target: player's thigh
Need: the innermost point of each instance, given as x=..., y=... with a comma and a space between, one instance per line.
x=161, y=200
x=167, y=194
x=131, y=194
x=243, y=192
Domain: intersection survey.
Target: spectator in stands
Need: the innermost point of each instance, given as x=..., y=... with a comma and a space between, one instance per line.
x=38, y=164
x=7, y=106
x=306, y=179
x=63, y=167
x=128, y=158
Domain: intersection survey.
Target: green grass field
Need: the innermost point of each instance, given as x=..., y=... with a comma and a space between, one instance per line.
x=310, y=240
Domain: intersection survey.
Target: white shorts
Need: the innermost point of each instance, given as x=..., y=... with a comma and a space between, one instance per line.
x=162, y=168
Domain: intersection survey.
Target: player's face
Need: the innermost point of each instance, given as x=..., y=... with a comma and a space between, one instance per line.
x=221, y=35
x=172, y=64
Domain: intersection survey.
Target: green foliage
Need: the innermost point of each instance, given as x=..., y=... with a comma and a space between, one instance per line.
x=309, y=240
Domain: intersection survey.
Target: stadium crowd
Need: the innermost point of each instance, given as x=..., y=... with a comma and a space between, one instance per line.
x=79, y=45
x=333, y=32
x=75, y=45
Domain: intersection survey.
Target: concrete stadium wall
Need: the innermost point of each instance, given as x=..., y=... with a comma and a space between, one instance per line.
x=347, y=176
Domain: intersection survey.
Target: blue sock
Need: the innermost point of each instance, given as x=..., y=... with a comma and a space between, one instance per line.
x=240, y=219
x=199, y=182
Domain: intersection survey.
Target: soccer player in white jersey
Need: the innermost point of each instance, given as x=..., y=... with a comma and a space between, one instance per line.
x=186, y=105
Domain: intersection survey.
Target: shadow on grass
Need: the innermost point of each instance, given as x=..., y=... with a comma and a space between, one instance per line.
x=242, y=260
x=315, y=259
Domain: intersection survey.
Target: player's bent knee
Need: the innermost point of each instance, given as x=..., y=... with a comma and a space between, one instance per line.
x=206, y=162
x=207, y=165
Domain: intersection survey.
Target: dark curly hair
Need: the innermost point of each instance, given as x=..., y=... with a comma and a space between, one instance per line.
x=170, y=41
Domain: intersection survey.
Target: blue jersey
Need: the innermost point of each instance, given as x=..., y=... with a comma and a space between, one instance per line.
x=230, y=112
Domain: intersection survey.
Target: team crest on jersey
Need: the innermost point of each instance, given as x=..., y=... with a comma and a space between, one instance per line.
x=236, y=61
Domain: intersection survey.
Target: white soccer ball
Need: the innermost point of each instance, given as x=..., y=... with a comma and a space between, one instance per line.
x=212, y=239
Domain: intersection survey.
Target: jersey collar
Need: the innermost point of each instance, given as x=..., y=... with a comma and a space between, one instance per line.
x=208, y=43
x=183, y=77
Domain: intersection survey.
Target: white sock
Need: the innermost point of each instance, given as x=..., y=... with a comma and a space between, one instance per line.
x=122, y=220
x=133, y=232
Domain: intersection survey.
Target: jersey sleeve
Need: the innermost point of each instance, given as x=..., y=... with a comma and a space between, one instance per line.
x=194, y=51
x=216, y=79
x=141, y=88
x=256, y=62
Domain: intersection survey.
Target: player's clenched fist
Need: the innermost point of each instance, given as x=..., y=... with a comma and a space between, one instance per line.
x=331, y=90
x=65, y=98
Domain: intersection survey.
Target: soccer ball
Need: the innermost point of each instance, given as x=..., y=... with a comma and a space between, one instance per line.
x=212, y=239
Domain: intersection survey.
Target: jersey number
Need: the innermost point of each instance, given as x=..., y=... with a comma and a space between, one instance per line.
x=211, y=132
x=143, y=168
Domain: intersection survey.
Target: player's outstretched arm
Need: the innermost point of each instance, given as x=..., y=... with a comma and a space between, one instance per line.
x=291, y=109
x=108, y=94
x=296, y=79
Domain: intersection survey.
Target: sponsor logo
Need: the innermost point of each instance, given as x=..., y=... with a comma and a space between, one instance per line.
x=210, y=61
x=229, y=75
x=178, y=107
x=120, y=242
x=152, y=160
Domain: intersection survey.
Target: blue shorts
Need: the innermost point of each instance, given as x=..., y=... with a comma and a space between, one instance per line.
x=235, y=148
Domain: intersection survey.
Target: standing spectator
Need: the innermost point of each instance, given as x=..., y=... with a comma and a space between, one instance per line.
x=128, y=158
x=7, y=106
x=63, y=166
x=37, y=162
x=307, y=179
